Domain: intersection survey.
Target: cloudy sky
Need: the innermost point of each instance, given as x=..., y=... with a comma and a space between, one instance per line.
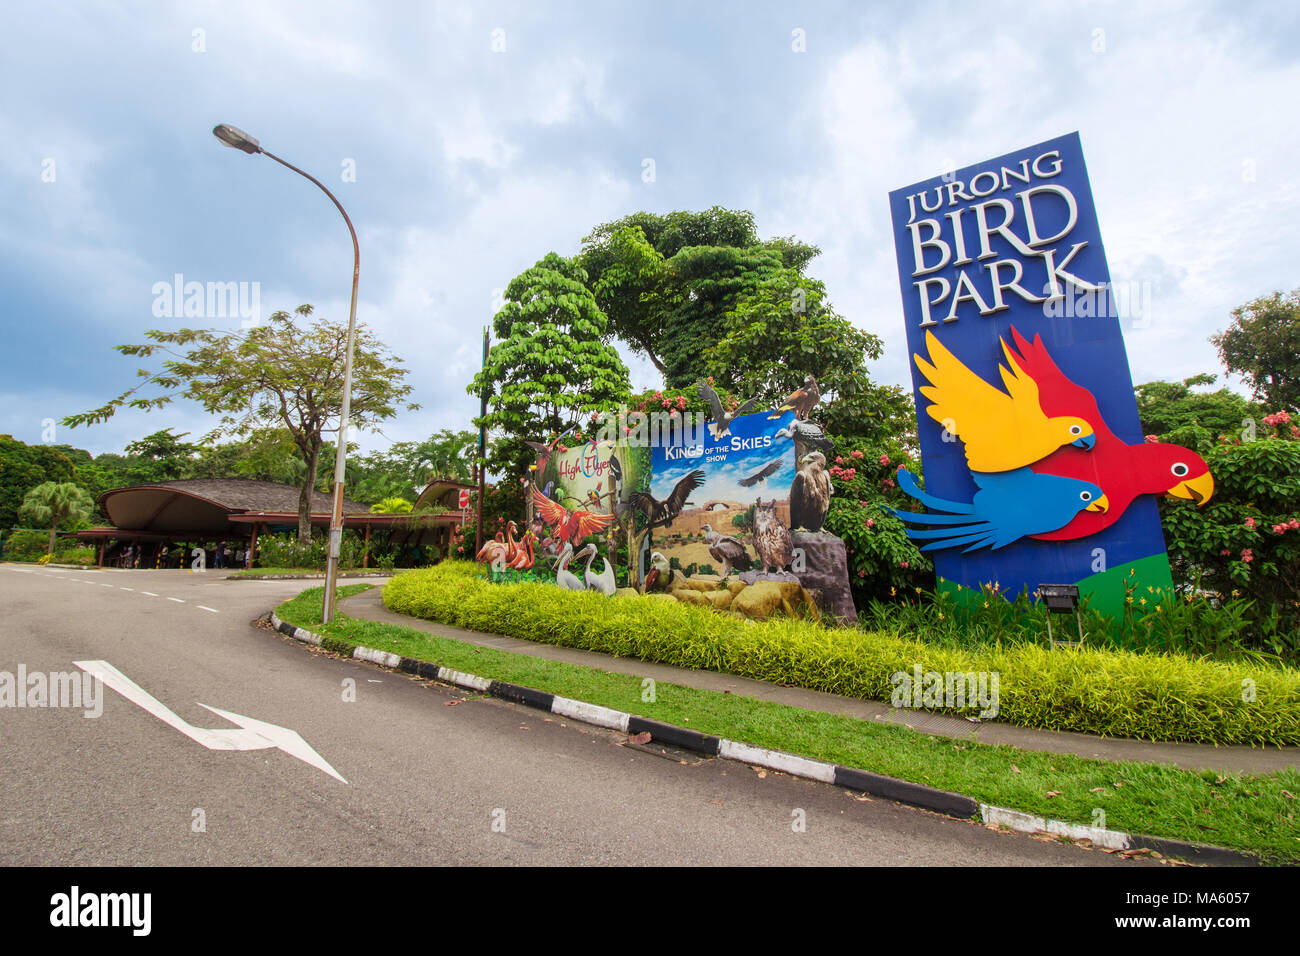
x=484, y=135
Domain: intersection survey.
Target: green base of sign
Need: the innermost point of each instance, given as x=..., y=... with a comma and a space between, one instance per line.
x=1106, y=591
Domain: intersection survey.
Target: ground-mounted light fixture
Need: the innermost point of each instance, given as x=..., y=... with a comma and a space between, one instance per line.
x=1061, y=599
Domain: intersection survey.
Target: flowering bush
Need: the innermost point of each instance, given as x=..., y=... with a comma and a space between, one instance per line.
x=882, y=559
x=1245, y=542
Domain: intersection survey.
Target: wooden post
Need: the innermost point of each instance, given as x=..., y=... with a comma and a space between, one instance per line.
x=252, y=546
x=102, y=542
x=365, y=560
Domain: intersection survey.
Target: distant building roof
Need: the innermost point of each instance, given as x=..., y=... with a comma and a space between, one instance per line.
x=206, y=505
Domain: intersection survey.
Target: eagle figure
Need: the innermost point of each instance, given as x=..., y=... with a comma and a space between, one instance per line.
x=660, y=514
x=810, y=493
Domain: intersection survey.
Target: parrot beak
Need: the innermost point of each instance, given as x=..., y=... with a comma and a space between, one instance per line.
x=1086, y=443
x=1198, y=489
x=1101, y=505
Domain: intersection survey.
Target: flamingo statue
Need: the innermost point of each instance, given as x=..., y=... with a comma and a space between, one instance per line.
x=524, y=559
x=491, y=552
x=512, y=546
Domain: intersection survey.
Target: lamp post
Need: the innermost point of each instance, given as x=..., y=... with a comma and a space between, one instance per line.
x=236, y=138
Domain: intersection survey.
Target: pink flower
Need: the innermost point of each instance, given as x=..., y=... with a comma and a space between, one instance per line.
x=1250, y=523
x=839, y=459
x=1152, y=439
x=1279, y=528
x=871, y=522
x=862, y=574
x=898, y=469
x=681, y=403
x=1224, y=552
x=1293, y=523
x=850, y=474
x=902, y=564
x=1247, y=556
x=855, y=453
x=710, y=379
x=884, y=460
x=888, y=483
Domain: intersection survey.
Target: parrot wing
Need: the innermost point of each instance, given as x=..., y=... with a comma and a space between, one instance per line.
x=586, y=523
x=1057, y=395
x=993, y=424
x=552, y=512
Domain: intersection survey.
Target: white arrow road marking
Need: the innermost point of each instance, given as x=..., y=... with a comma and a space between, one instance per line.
x=251, y=734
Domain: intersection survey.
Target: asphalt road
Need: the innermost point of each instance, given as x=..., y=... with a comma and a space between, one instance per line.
x=434, y=775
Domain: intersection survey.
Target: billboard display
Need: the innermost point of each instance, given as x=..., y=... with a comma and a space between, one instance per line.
x=1035, y=466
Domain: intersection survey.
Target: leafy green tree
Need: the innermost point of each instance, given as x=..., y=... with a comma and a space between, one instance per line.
x=1263, y=346
x=785, y=331
x=1164, y=406
x=550, y=368
x=23, y=467
x=666, y=281
x=55, y=503
x=391, y=506
x=281, y=374
x=161, y=456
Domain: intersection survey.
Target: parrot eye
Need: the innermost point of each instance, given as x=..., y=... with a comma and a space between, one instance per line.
x=1076, y=430
x=1085, y=496
x=1179, y=469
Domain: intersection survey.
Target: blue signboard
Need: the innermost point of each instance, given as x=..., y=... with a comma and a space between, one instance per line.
x=1035, y=466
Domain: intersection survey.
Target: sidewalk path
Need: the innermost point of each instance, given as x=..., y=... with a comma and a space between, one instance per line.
x=369, y=606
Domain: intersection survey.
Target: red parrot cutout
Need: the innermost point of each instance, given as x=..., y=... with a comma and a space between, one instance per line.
x=1122, y=471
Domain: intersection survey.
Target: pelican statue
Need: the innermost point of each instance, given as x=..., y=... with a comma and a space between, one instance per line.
x=563, y=576
x=602, y=582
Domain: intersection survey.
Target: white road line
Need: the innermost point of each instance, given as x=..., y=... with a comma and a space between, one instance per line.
x=150, y=593
x=251, y=734
x=177, y=600
x=120, y=588
x=106, y=585
x=206, y=608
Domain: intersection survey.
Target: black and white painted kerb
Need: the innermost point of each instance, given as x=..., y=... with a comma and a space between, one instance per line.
x=889, y=788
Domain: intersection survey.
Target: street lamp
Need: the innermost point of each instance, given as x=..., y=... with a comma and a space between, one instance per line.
x=236, y=138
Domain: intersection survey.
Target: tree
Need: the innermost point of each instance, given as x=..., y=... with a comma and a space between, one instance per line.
x=23, y=467
x=550, y=368
x=1262, y=345
x=391, y=506
x=1164, y=406
x=785, y=331
x=280, y=374
x=665, y=281
x=55, y=503
x=161, y=456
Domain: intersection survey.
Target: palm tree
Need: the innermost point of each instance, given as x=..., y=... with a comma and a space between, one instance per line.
x=56, y=502
x=391, y=506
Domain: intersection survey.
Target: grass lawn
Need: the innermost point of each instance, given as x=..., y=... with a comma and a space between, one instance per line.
x=1243, y=811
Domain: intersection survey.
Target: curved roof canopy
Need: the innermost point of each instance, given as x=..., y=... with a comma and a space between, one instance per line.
x=206, y=505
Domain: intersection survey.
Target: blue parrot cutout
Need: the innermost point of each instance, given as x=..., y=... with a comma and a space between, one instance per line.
x=1007, y=506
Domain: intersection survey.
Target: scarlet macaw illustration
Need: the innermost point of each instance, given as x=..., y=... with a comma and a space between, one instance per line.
x=570, y=526
x=1008, y=506
x=1001, y=430
x=1124, y=471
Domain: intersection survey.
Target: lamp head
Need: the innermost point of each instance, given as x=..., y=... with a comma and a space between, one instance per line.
x=236, y=138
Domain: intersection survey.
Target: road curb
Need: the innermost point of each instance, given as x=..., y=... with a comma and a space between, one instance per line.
x=851, y=778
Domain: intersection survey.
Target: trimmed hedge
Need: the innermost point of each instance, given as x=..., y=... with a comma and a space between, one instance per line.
x=1107, y=692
